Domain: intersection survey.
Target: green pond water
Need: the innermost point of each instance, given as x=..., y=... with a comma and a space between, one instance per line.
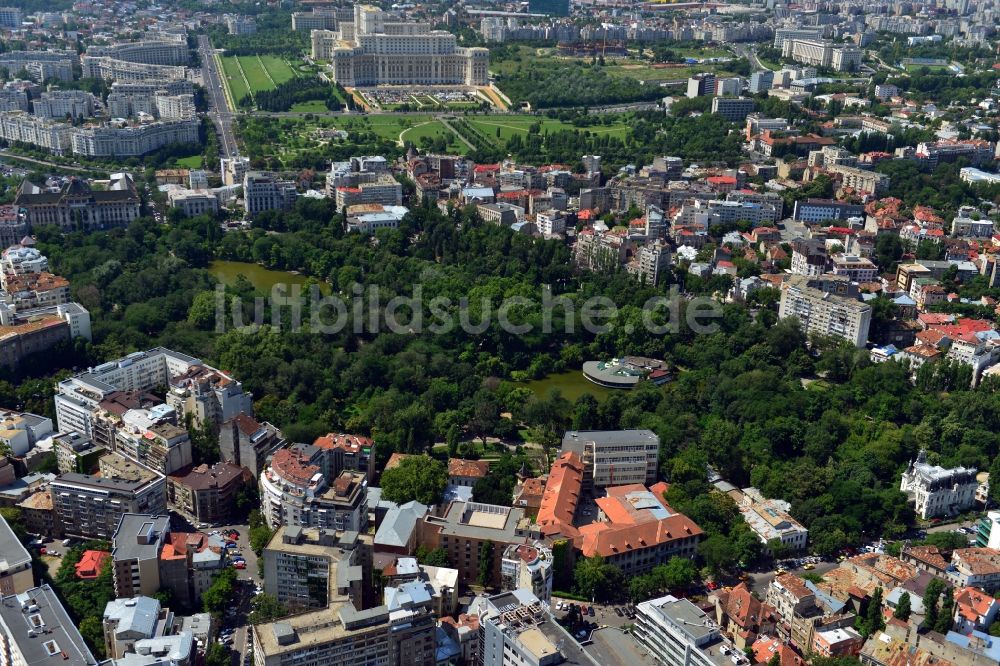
x=261, y=278
x=571, y=383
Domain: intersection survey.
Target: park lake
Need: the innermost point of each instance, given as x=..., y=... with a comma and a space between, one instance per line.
x=570, y=383
x=261, y=278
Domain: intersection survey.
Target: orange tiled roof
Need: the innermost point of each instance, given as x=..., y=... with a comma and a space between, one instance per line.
x=468, y=468
x=562, y=492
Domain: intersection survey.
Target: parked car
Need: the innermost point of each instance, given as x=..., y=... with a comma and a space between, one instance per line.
x=239, y=565
x=618, y=612
x=590, y=611
x=809, y=567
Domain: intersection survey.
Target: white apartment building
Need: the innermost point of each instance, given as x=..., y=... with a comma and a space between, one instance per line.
x=858, y=269
x=936, y=491
x=265, y=191
x=677, y=633
x=968, y=222
x=615, y=457
x=733, y=109
x=150, y=52
x=40, y=65
x=129, y=100
x=823, y=53
x=241, y=25
x=18, y=126
x=114, y=69
x=825, y=306
x=117, y=140
x=57, y=104
x=174, y=107
x=527, y=567
x=376, y=49
x=718, y=211
x=860, y=179
x=551, y=222
x=193, y=202
x=10, y=17
x=77, y=396
x=295, y=489
x=234, y=169
x=371, y=188
x=512, y=631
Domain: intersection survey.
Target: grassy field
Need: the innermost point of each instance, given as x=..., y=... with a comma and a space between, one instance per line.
x=511, y=125
x=934, y=69
x=190, y=162
x=312, y=106
x=387, y=127
x=261, y=72
x=234, y=79
x=434, y=129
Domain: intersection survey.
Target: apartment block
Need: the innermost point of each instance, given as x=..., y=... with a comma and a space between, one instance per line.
x=823, y=53
x=825, y=306
x=321, y=18
x=115, y=69
x=265, y=191
x=301, y=566
x=733, y=109
x=148, y=52
x=858, y=269
x=245, y=441
x=207, y=493
x=527, y=567
x=139, y=632
x=347, y=630
x=10, y=17
x=60, y=104
x=148, y=556
x=375, y=49
x=675, y=631
x=40, y=65
x=615, y=457
x=295, y=490
x=465, y=526
x=516, y=628
x=193, y=202
x=208, y=395
x=370, y=188
x=16, y=575
x=36, y=629
x=90, y=506
x=860, y=180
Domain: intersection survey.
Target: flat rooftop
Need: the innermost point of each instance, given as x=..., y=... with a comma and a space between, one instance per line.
x=39, y=610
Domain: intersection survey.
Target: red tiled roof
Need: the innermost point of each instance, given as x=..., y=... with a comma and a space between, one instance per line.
x=91, y=563
x=344, y=442
x=562, y=492
x=468, y=468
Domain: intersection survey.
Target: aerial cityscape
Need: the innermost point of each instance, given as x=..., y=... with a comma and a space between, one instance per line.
x=495, y=333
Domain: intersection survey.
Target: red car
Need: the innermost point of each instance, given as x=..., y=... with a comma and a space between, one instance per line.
x=712, y=585
x=239, y=565
x=42, y=550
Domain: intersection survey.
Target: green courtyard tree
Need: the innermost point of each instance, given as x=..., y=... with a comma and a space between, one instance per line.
x=419, y=478
x=903, y=611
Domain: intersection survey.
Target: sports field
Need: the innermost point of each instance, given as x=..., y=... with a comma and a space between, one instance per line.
x=247, y=75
